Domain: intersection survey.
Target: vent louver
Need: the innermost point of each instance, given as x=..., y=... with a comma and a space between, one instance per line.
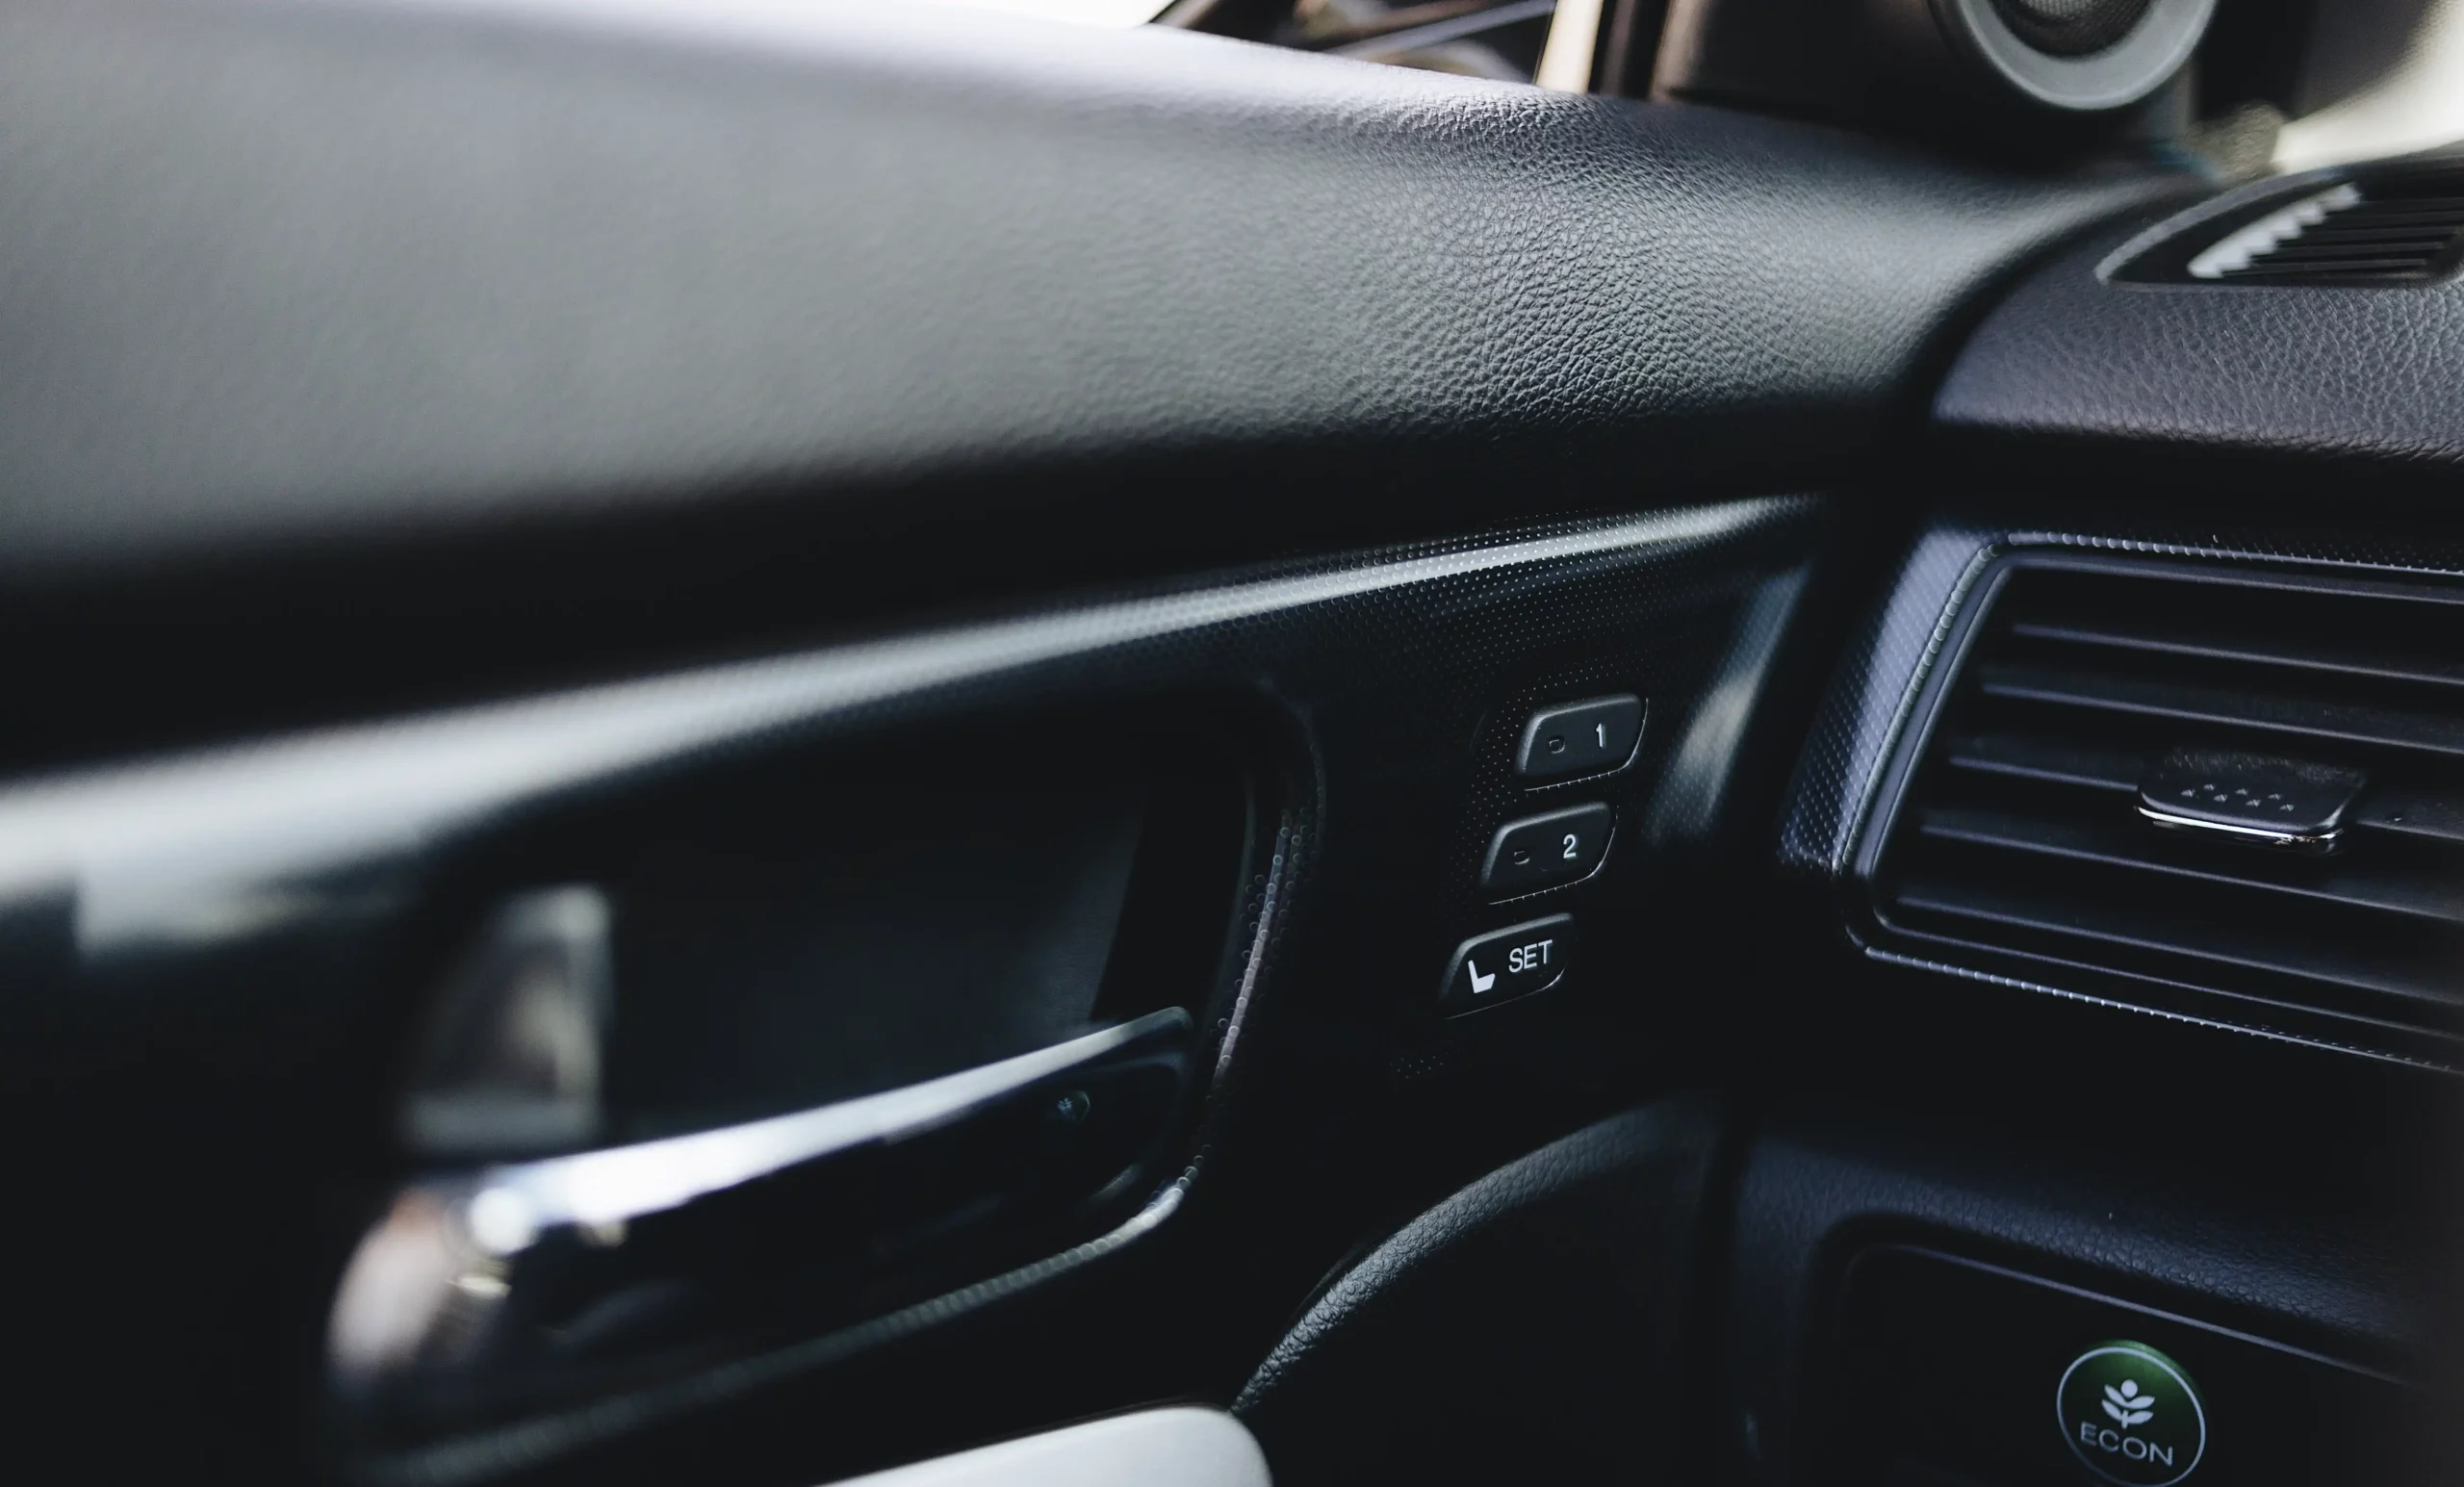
x=2020, y=829
x=2393, y=225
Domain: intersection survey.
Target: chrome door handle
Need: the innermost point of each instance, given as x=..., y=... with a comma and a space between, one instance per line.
x=527, y=1279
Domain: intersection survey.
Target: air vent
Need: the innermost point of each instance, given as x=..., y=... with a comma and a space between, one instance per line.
x=2229, y=793
x=2390, y=226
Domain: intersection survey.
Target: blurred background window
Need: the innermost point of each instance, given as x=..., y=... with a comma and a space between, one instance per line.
x=1548, y=41
x=2284, y=85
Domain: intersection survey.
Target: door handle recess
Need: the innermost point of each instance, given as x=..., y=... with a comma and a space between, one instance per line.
x=485, y=1292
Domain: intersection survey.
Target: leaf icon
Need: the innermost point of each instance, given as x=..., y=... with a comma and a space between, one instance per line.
x=2127, y=1406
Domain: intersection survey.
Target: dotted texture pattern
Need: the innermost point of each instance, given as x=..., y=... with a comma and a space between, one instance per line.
x=1866, y=706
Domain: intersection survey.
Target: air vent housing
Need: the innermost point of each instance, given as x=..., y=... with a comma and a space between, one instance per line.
x=2385, y=224
x=2012, y=840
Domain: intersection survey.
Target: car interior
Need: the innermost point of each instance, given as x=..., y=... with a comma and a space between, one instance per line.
x=764, y=742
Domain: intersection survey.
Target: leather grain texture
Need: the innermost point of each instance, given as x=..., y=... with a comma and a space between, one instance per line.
x=290, y=275
x=1529, y=1327
x=2370, y=376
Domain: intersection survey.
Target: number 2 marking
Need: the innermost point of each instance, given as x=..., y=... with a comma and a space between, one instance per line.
x=1570, y=846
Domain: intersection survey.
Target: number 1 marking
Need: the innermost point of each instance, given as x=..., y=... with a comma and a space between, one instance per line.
x=1604, y=735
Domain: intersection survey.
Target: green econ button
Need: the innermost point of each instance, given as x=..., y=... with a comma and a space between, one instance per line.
x=2132, y=1415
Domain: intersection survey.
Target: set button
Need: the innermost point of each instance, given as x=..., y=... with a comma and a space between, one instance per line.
x=1505, y=963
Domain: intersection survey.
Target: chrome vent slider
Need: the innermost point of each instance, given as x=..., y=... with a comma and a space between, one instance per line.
x=2251, y=800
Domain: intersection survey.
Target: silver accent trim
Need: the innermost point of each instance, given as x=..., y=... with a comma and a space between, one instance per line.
x=623, y=1182
x=2247, y=836
x=212, y=846
x=2161, y=1014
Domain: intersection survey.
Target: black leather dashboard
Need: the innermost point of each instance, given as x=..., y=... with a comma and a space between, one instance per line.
x=288, y=275
x=2367, y=376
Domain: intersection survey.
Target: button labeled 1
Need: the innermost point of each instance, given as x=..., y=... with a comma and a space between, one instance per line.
x=1544, y=852
x=1579, y=738
x=1509, y=962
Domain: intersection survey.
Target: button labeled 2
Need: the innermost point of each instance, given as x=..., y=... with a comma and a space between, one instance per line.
x=1546, y=852
x=1506, y=963
x=1579, y=738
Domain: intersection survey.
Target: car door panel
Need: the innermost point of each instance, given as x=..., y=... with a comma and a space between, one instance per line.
x=760, y=741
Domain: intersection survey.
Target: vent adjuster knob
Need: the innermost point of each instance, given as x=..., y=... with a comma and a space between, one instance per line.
x=2251, y=800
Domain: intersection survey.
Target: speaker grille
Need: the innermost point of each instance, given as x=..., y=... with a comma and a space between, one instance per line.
x=2071, y=28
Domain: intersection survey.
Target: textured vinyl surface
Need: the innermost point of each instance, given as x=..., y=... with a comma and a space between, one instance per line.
x=1530, y=1327
x=2375, y=374
x=284, y=273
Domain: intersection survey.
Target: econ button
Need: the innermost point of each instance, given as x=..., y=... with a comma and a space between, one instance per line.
x=2131, y=1415
x=1505, y=963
